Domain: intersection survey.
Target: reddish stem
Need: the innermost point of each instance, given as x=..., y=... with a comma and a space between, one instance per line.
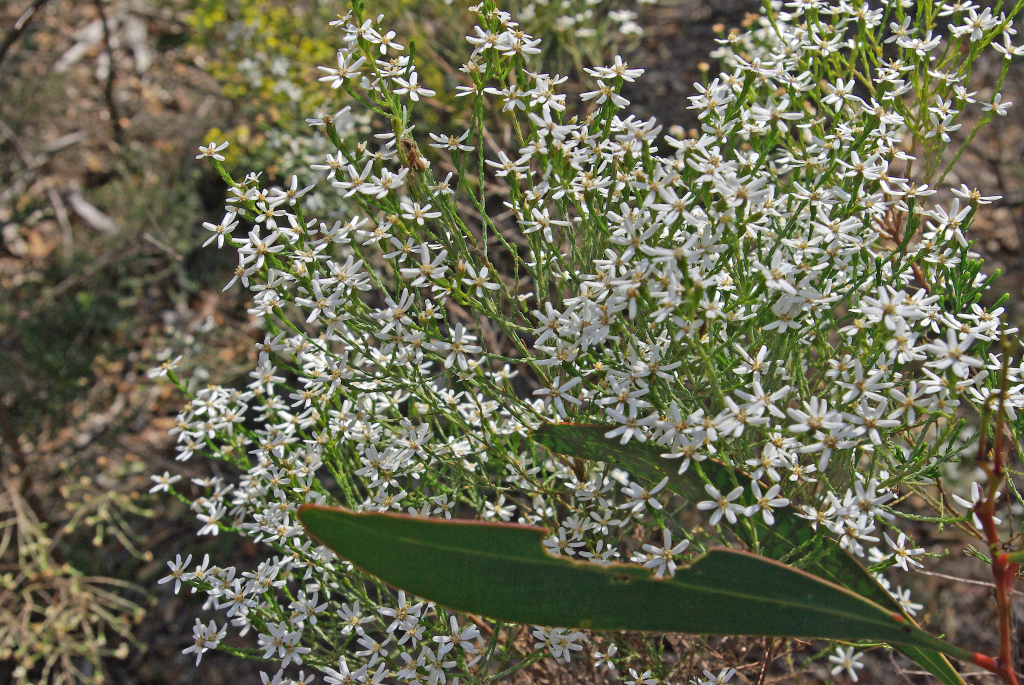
x=1004, y=573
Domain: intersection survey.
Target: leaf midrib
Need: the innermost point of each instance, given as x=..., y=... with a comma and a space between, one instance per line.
x=535, y=562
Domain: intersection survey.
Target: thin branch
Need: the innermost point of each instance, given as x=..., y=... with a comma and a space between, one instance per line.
x=1003, y=570
x=769, y=657
x=108, y=89
x=66, y=233
x=19, y=27
x=968, y=581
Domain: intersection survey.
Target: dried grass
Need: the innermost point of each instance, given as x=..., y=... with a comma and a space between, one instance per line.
x=55, y=622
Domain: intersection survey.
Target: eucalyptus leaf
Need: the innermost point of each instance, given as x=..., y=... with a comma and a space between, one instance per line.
x=503, y=572
x=790, y=533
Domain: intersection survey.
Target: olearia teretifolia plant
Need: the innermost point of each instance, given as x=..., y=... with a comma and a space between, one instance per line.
x=264, y=53
x=703, y=373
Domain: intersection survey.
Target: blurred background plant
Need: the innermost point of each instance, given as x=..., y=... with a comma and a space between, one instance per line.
x=56, y=623
x=100, y=104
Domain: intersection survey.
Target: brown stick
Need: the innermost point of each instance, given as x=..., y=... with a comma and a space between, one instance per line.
x=108, y=88
x=19, y=27
x=769, y=657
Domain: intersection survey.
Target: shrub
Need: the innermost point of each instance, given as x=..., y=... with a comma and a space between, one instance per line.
x=775, y=294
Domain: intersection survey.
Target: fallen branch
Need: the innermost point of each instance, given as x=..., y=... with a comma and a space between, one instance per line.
x=91, y=215
x=19, y=27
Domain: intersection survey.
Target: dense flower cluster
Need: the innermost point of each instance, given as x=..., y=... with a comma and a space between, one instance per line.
x=776, y=291
x=260, y=64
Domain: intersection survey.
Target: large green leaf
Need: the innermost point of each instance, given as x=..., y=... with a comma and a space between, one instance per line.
x=790, y=536
x=502, y=571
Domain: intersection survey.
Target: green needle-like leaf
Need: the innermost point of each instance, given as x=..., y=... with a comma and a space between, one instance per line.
x=818, y=555
x=502, y=571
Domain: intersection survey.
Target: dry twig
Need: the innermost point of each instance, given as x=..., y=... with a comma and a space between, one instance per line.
x=19, y=27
